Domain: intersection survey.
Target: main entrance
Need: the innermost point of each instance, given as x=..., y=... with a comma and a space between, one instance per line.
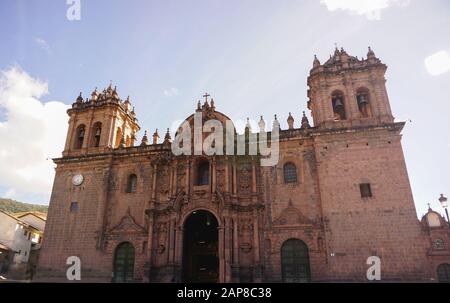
x=200, y=248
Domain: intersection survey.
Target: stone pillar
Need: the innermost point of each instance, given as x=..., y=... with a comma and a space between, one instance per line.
x=235, y=266
x=168, y=238
x=213, y=181
x=187, y=176
x=253, y=177
x=227, y=177
x=70, y=134
x=155, y=174
x=174, y=241
x=175, y=179
x=170, y=173
x=221, y=253
x=179, y=245
x=150, y=223
x=256, y=239
x=235, y=242
x=234, y=179
x=107, y=136
x=228, y=245
x=257, y=271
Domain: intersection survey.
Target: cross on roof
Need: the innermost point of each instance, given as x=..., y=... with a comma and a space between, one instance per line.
x=206, y=95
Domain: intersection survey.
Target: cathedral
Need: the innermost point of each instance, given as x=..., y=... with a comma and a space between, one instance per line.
x=132, y=210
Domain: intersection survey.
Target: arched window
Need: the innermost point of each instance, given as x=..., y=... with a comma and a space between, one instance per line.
x=203, y=173
x=96, y=134
x=123, y=270
x=443, y=272
x=132, y=183
x=363, y=99
x=295, y=262
x=337, y=100
x=290, y=173
x=118, y=137
x=79, y=136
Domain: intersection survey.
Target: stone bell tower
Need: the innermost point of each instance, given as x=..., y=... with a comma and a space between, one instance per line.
x=365, y=191
x=346, y=91
x=100, y=123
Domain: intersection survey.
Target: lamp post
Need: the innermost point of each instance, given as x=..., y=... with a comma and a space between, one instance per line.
x=443, y=201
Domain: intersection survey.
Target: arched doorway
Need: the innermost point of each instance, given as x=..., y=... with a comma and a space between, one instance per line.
x=200, y=248
x=443, y=272
x=123, y=271
x=295, y=262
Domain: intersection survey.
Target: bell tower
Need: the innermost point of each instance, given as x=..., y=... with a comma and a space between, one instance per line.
x=346, y=91
x=101, y=123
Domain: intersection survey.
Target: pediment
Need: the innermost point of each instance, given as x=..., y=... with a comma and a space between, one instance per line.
x=291, y=216
x=127, y=225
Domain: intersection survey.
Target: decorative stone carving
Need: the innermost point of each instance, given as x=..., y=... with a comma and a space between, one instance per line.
x=291, y=216
x=127, y=225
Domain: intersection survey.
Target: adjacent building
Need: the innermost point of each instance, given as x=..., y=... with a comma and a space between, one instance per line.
x=20, y=240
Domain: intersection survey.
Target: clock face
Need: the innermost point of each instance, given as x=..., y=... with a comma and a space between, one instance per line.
x=77, y=180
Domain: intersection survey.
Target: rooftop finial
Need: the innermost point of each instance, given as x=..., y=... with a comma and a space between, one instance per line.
x=290, y=121
x=305, y=121
x=370, y=53
x=316, y=62
x=167, y=137
x=144, y=139
x=155, y=137
x=262, y=125
x=79, y=99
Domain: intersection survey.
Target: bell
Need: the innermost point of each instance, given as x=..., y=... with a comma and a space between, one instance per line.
x=362, y=100
x=338, y=103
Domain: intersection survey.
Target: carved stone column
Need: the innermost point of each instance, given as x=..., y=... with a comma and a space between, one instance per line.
x=228, y=246
x=253, y=177
x=175, y=177
x=227, y=177
x=188, y=166
x=235, y=266
x=234, y=179
x=221, y=254
x=213, y=181
x=257, y=272
x=155, y=174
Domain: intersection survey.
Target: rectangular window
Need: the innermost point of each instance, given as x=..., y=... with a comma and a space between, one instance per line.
x=74, y=207
x=366, y=191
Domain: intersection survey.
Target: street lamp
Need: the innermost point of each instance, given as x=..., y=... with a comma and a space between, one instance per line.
x=443, y=201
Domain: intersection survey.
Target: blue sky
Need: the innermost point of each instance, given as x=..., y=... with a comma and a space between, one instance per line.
x=252, y=56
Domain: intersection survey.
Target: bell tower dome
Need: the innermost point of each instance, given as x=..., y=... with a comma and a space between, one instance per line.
x=346, y=91
x=100, y=123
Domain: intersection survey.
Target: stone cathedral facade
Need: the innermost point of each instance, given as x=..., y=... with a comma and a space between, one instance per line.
x=339, y=194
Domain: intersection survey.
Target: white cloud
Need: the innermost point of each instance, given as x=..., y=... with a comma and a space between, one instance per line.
x=31, y=134
x=43, y=44
x=370, y=8
x=170, y=92
x=438, y=63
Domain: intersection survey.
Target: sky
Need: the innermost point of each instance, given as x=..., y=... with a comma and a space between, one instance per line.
x=252, y=56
